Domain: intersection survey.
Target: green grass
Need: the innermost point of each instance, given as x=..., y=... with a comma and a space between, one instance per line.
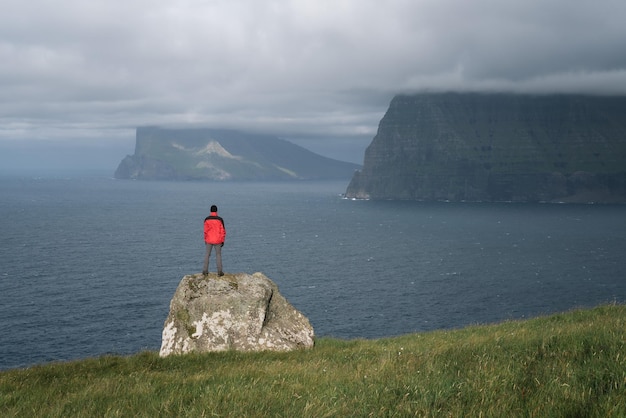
x=565, y=365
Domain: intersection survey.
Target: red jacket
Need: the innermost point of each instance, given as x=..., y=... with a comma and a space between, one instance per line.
x=214, y=230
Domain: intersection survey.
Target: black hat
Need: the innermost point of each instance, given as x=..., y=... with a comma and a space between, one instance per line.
x=213, y=208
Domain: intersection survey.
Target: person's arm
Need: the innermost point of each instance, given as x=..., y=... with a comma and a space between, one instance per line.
x=206, y=230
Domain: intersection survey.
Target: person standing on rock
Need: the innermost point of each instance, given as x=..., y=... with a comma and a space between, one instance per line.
x=214, y=237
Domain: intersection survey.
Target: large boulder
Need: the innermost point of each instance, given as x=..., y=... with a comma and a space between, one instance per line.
x=241, y=312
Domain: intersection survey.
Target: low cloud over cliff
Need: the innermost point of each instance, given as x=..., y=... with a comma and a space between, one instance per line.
x=321, y=72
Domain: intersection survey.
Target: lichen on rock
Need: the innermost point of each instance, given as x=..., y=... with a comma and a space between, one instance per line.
x=241, y=312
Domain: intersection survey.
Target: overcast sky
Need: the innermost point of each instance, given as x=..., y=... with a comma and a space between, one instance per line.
x=82, y=74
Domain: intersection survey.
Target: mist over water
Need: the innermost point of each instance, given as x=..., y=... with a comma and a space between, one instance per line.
x=88, y=265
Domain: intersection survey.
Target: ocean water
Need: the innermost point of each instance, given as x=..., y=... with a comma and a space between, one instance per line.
x=88, y=265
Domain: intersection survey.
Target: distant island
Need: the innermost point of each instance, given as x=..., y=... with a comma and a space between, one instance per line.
x=220, y=155
x=497, y=147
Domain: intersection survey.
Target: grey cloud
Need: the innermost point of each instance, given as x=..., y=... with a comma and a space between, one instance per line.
x=323, y=69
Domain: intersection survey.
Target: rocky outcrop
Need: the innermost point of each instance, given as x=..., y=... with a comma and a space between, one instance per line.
x=240, y=312
x=218, y=155
x=497, y=147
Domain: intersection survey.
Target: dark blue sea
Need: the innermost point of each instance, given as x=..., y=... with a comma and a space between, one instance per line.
x=88, y=265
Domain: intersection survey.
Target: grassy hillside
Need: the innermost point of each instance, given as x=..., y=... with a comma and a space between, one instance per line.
x=566, y=365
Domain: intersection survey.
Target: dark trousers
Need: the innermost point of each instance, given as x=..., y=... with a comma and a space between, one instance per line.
x=218, y=255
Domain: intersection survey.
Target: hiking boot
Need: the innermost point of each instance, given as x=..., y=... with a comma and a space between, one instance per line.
x=205, y=273
x=220, y=273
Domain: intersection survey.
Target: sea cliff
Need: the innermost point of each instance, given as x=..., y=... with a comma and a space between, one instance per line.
x=218, y=155
x=497, y=147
